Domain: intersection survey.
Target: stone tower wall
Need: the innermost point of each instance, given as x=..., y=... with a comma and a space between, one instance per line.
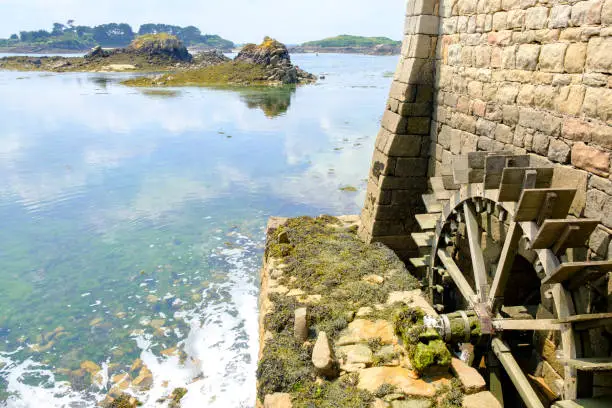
x=526, y=76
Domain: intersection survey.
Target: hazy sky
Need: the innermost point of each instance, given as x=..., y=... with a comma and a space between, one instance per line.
x=241, y=21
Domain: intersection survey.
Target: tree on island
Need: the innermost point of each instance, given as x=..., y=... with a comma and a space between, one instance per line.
x=70, y=37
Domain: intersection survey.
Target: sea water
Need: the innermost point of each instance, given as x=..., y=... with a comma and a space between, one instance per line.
x=132, y=221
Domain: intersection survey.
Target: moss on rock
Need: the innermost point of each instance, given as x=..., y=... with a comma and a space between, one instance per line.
x=323, y=256
x=425, y=346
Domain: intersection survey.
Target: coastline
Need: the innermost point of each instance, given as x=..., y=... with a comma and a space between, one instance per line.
x=347, y=50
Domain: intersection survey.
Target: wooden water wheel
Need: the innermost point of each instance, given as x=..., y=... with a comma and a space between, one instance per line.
x=497, y=243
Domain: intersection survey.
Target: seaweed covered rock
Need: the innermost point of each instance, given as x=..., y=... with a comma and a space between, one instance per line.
x=97, y=52
x=269, y=52
x=209, y=58
x=162, y=44
x=275, y=57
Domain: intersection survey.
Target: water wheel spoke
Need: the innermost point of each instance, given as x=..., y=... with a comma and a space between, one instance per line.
x=520, y=381
x=527, y=324
x=506, y=261
x=457, y=276
x=478, y=263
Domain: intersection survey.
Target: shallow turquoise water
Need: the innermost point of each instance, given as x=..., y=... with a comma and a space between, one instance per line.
x=132, y=222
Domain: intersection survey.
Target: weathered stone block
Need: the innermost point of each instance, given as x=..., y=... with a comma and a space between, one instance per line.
x=504, y=133
x=602, y=136
x=591, y=159
x=576, y=129
x=403, y=92
x=479, y=108
x=596, y=200
x=539, y=120
x=544, y=96
x=525, y=95
x=393, y=122
x=606, y=13
x=536, y=17
x=499, y=21
x=510, y=114
x=600, y=241
x=507, y=92
x=540, y=143
x=599, y=55
x=411, y=167
x=467, y=6
x=482, y=56
x=569, y=99
x=559, y=16
x=510, y=4
x=462, y=23
x=558, y=151
x=485, y=128
x=444, y=137
x=552, y=57
x=469, y=143
x=418, y=125
x=527, y=56
x=403, y=145
x=594, y=78
x=598, y=103
x=509, y=57
x=515, y=19
x=601, y=184
x=485, y=143
x=586, y=13
x=423, y=24
x=575, y=57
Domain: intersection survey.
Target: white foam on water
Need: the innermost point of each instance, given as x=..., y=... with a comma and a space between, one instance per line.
x=221, y=345
x=221, y=348
x=50, y=394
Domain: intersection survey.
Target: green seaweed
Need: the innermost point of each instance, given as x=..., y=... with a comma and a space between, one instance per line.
x=233, y=72
x=324, y=257
x=449, y=395
x=424, y=345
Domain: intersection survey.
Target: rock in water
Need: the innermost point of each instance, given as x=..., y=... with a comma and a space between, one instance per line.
x=164, y=45
x=96, y=52
x=269, y=52
x=323, y=357
x=275, y=57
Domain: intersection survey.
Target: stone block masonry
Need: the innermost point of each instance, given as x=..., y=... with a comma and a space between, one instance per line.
x=398, y=174
x=527, y=77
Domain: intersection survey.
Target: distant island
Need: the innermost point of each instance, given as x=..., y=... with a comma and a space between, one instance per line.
x=351, y=44
x=71, y=38
x=259, y=65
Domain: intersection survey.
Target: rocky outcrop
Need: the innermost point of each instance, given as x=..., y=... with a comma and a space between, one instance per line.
x=269, y=52
x=161, y=45
x=209, y=58
x=275, y=57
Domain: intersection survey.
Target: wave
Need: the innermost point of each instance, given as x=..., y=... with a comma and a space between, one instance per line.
x=221, y=348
